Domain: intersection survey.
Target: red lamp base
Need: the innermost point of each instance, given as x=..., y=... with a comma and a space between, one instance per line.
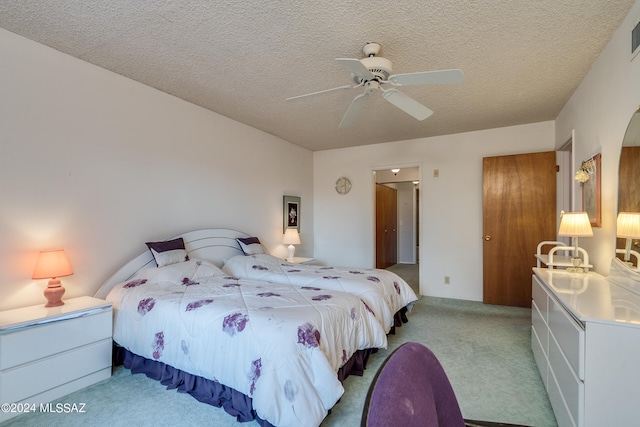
x=53, y=293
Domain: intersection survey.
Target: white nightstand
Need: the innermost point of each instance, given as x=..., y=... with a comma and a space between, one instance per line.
x=300, y=260
x=47, y=353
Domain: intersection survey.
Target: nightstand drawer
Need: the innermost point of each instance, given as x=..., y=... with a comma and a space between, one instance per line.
x=34, y=378
x=38, y=341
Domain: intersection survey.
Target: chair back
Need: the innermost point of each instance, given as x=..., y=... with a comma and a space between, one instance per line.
x=411, y=389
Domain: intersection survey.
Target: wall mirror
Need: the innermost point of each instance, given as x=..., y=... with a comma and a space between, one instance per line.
x=629, y=175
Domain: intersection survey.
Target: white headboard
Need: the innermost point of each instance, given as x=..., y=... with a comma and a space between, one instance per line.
x=215, y=245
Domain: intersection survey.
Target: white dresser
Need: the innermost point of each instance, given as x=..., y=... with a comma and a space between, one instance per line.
x=47, y=353
x=586, y=343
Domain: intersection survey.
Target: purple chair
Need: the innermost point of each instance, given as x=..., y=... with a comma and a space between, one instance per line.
x=411, y=389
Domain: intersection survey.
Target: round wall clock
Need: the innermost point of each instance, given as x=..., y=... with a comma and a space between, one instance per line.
x=343, y=185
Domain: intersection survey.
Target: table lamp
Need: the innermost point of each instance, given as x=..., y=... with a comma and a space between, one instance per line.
x=628, y=227
x=52, y=264
x=576, y=225
x=291, y=237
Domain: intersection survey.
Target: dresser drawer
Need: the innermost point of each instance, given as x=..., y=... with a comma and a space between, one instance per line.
x=35, y=342
x=570, y=386
x=570, y=336
x=539, y=357
x=540, y=326
x=560, y=410
x=540, y=297
x=34, y=378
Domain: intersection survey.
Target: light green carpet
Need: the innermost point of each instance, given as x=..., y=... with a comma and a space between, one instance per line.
x=484, y=349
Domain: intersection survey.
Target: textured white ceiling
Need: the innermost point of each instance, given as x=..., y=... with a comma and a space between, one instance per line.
x=522, y=59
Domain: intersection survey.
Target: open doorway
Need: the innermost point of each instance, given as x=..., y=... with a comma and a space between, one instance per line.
x=565, y=190
x=565, y=158
x=397, y=231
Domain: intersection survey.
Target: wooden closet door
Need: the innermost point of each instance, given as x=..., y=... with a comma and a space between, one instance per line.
x=386, y=226
x=518, y=212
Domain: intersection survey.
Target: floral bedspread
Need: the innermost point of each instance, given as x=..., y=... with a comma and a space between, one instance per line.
x=281, y=345
x=384, y=292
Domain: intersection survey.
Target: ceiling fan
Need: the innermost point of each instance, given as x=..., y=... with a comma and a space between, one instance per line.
x=373, y=72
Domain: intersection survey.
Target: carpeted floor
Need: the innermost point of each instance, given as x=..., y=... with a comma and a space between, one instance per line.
x=484, y=349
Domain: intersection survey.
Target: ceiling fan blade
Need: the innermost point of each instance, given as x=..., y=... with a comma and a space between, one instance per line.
x=427, y=78
x=353, y=110
x=407, y=104
x=356, y=67
x=321, y=91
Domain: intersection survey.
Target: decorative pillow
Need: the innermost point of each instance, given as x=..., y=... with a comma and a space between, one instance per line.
x=169, y=252
x=251, y=246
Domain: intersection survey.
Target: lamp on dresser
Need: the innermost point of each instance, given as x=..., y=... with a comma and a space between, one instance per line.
x=628, y=227
x=52, y=264
x=291, y=237
x=575, y=225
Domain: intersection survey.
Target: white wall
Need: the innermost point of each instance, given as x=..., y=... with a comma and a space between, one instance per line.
x=98, y=164
x=599, y=111
x=450, y=205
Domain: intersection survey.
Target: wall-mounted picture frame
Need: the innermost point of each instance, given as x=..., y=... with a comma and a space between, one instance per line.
x=591, y=190
x=291, y=213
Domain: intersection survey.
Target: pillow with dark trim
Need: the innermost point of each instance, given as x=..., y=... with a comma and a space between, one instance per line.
x=168, y=252
x=250, y=245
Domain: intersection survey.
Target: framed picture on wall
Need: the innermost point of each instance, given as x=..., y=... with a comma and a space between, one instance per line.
x=291, y=213
x=591, y=190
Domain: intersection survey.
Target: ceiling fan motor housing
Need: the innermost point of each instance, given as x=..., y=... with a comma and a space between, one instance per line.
x=380, y=67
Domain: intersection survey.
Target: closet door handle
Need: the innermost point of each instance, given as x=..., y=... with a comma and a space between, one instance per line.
x=487, y=237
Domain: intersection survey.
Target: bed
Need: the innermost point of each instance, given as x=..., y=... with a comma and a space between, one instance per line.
x=264, y=351
x=384, y=292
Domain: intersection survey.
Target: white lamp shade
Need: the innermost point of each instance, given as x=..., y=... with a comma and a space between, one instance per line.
x=291, y=237
x=628, y=225
x=52, y=263
x=575, y=224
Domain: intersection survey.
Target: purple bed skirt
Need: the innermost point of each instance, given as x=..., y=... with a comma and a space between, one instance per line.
x=398, y=319
x=208, y=391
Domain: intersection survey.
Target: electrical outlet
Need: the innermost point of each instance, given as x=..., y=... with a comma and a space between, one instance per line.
x=447, y=280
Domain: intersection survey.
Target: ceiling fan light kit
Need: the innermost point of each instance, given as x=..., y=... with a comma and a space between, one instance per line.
x=373, y=72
